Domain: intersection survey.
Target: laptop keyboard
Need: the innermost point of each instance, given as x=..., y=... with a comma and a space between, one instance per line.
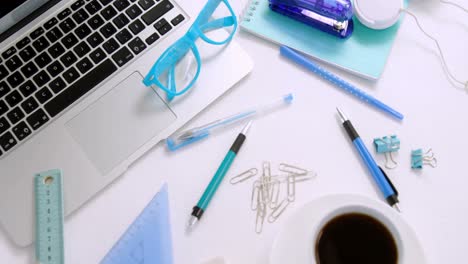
x=67, y=56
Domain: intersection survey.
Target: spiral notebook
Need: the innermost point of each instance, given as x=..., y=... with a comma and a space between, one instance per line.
x=365, y=53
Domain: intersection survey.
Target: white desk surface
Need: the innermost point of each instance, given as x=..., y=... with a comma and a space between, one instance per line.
x=434, y=201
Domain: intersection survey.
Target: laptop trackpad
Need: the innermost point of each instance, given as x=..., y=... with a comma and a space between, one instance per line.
x=120, y=122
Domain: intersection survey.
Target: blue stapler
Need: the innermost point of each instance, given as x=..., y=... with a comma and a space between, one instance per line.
x=330, y=16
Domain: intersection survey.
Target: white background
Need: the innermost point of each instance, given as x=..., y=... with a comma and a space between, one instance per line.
x=434, y=201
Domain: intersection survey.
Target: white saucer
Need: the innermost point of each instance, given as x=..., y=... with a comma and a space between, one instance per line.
x=295, y=242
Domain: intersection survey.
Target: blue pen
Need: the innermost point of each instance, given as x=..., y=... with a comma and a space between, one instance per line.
x=340, y=83
x=204, y=201
x=383, y=182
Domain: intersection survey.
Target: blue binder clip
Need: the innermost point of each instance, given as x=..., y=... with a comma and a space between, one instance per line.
x=420, y=158
x=388, y=145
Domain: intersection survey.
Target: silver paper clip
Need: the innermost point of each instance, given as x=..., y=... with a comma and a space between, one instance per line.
x=278, y=211
x=292, y=169
x=274, y=194
x=244, y=176
x=291, y=189
x=260, y=219
x=256, y=192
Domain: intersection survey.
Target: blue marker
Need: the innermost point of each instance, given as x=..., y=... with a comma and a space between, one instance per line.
x=204, y=201
x=383, y=182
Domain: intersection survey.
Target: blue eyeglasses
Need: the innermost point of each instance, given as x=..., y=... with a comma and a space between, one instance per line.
x=164, y=70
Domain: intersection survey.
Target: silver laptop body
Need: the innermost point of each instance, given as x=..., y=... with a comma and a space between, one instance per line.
x=71, y=97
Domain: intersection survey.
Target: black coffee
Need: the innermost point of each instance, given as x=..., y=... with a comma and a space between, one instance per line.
x=355, y=239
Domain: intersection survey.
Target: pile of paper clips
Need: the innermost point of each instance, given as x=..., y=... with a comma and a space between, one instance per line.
x=266, y=191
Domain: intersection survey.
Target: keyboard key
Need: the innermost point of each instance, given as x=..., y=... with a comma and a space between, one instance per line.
x=108, y=13
x=82, y=49
x=75, y=6
x=13, y=98
x=136, y=27
x=67, y=25
x=4, y=89
x=124, y=36
x=4, y=125
x=3, y=108
x=27, y=53
x=55, y=69
x=121, y=4
x=41, y=78
x=29, y=70
x=15, y=79
x=54, y=34
x=71, y=75
x=95, y=39
x=27, y=88
x=121, y=21
x=83, y=31
x=23, y=43
x=108, y=30
x=80, y=88
x=64, y=14
x=29, y=105
x=145, y=4
x=110, y=46
x=43, y=95
x=176, y=21
x=42, y=60
x=151, y=39
x=13, y=63
x=3, y=72
x=137, y=45
x=164, y=29
x=7, y=141
x=98, y=55
x=93, y=7
x=157, y=12
x=68, y=59
x=69, y=41
x=37, y=119
x=49, y=24
x=160, y=23
x=37, y=33
x=57, y=85
x=41, y=44
x=95, y=22
x=8, y=53
x=15, y=115
x=122, y=56
x=105, y=2
x=133, y=12
x=80, y=16
x=21, y=131
x=84, y=65
x=56, y=50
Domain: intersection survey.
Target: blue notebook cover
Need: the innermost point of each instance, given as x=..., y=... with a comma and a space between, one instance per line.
x=364, y=53
x=148, y=239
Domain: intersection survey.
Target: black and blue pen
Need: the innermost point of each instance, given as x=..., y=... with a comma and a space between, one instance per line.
x=383, y=182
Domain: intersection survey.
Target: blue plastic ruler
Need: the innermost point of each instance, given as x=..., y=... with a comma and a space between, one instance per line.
x=148, y=239
x=49, y=217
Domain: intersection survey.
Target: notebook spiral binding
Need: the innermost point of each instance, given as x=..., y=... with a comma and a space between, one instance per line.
x=249, y=10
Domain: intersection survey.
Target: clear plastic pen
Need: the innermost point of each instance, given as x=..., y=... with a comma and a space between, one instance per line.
x=195, y=134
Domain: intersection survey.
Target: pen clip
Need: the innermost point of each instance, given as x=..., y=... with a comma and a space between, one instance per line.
x=389, y=181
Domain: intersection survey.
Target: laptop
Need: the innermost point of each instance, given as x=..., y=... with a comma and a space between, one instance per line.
x=72, y=98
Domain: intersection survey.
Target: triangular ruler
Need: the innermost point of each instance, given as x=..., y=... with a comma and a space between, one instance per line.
x=148, y=239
